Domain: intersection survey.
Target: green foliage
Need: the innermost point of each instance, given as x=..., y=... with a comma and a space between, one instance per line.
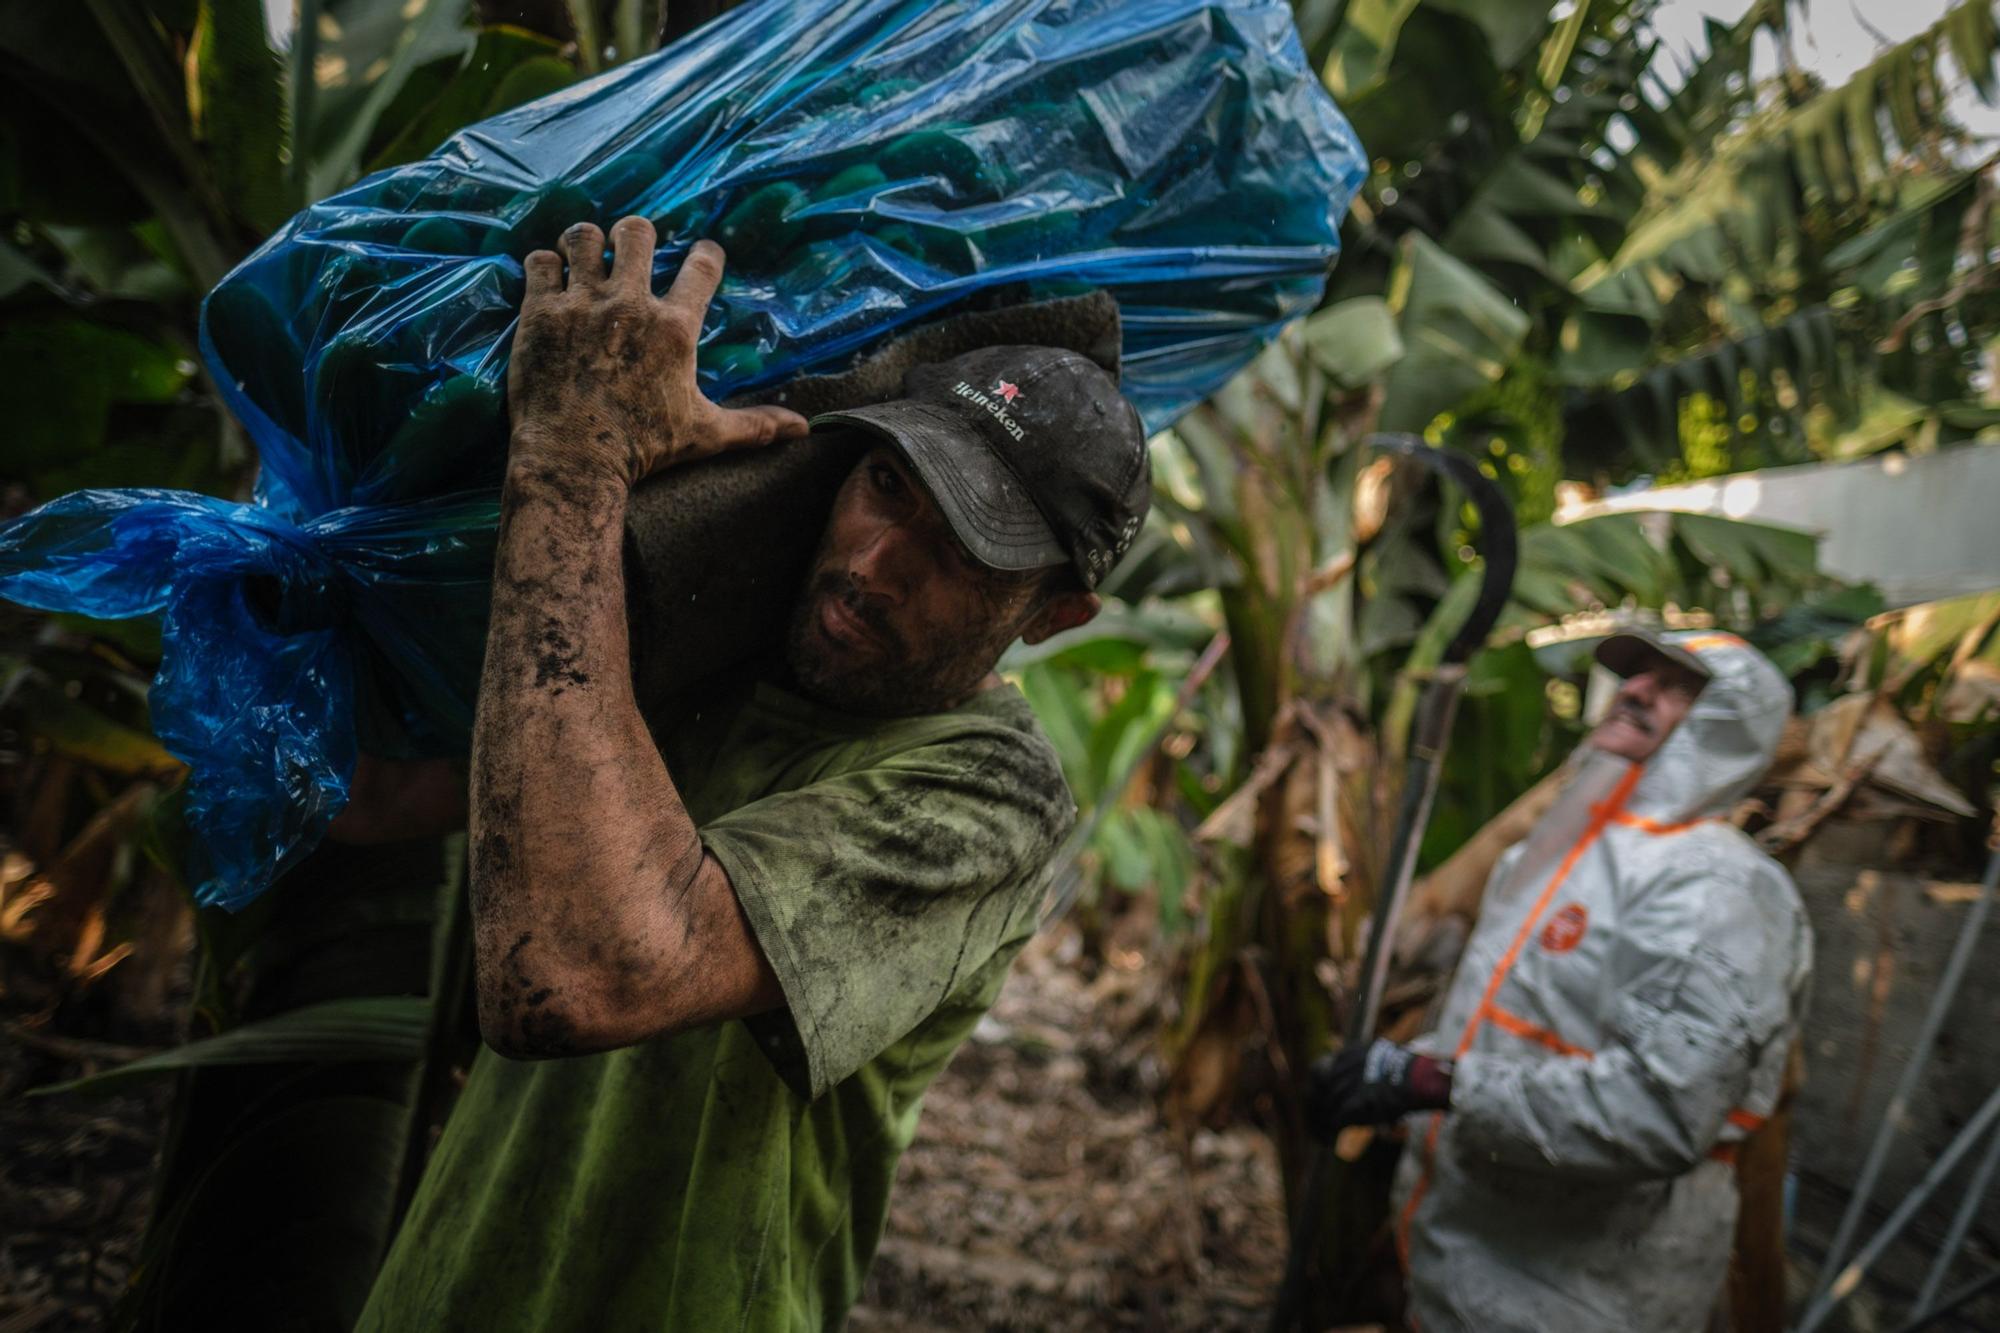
x=384, y=1027
x=1686, y=561
x=1805, y=636
x=1141, y=849
x=236, y=109
x=376, y=48
x=1107, y=696
x=89, y=707
x=1363, y=44
x=1518, y=423
x=1355, y=341
x=504, y=68
x=88, y=734
x=65, y=375
x=333, y=1005
x=1781, y=255
x=1505, y=739
x=1842, y=142
x=1458, y=330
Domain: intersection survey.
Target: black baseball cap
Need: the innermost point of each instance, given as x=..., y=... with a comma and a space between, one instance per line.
x=1031, y=453
x=1631, y=651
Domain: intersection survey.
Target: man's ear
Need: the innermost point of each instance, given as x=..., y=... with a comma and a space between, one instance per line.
x=1066, y=610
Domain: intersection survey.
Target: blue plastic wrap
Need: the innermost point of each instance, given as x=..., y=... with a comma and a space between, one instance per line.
x=264, y=711
x=867, y=164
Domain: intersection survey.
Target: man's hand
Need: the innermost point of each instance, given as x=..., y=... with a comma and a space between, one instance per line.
x=1372, y=1083
x=603, y=372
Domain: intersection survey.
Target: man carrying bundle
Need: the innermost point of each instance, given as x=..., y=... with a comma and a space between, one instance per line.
x=719, y=966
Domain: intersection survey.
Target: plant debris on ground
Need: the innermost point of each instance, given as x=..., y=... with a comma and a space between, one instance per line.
x=75, y=1179
x=1044, y=1190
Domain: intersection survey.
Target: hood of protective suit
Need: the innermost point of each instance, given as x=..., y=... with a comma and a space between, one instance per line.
x=1728, y=738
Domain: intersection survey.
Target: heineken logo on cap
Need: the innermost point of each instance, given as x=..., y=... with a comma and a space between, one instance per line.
x=997, y=406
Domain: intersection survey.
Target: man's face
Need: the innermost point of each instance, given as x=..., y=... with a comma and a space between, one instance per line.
x=896, y=617
x=1646, y=709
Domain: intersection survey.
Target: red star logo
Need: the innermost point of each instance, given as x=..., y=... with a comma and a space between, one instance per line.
x=1007, y=391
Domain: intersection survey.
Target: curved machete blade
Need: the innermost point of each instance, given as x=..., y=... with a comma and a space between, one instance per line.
x=1497, y=539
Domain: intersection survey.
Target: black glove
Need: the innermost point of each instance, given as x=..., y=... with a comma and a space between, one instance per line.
x=1373, y=1083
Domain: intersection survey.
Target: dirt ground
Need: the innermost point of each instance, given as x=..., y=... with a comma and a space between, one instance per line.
x=1043, y=1191
x=75, y=1177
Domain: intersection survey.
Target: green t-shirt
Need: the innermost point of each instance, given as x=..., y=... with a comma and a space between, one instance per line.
x=736, y=1177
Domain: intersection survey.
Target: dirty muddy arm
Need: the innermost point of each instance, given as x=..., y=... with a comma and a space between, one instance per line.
x=598, y=919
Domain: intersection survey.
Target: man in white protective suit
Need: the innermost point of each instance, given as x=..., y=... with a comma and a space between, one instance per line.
x=1619, y=1023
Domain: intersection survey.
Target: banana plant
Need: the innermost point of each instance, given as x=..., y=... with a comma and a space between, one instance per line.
x=1125, y=700
x=1802, y=273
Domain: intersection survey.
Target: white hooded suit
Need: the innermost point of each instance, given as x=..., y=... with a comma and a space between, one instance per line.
x=1620, y=1020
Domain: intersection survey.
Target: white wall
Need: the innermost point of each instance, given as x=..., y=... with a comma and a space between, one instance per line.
x=1920, y=528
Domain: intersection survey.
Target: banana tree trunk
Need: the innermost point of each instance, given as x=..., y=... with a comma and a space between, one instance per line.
x=1266, y=981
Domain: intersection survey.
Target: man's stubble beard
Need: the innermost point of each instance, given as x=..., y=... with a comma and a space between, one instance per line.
x=901, y=682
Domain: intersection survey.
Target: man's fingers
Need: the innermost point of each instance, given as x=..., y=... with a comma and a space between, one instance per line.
x=694, y=286
x=544, y=269
x=583, y=246
x=632, y=242
x=751, y=427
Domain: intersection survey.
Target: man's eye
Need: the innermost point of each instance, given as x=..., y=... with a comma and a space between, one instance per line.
x=885, y=479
